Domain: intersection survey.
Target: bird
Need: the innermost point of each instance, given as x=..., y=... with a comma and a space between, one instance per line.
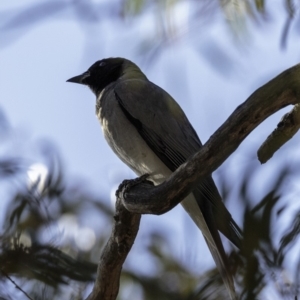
x=147, y=129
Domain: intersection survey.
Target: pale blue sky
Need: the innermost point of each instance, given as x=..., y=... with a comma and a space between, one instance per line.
x=40, y=104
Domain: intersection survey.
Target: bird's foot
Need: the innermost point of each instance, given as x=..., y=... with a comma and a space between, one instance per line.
x=129, y=183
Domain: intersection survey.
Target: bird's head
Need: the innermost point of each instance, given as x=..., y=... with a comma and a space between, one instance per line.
x=105, y=71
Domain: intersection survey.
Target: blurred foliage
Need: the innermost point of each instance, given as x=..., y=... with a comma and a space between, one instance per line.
x=239, y=15
x=39, y=261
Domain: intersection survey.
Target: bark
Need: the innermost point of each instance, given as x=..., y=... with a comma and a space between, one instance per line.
x=124, y=231
x=286, y=129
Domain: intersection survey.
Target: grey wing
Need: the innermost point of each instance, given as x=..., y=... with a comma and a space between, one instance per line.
x=167, y=131
x=159, y=119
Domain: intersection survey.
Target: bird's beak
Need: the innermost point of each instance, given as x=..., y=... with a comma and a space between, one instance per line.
x=81, y=79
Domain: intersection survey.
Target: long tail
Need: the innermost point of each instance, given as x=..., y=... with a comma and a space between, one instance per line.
x=222, y=266
x=206, y=222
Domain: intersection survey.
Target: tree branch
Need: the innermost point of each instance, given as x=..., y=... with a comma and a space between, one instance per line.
x=125, y=229
x=285, y=130
x=144, y=198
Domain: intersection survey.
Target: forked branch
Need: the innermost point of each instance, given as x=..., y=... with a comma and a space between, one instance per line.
x=145, y=198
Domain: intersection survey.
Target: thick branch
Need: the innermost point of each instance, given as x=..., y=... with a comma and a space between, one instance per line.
x=146, y=198
x=281, y=91
x=125, y=228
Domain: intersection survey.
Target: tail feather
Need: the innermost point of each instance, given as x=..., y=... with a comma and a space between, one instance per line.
x=222, y=266
x=204, y=219
x=209, y=199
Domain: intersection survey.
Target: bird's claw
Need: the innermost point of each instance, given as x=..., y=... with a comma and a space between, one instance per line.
x=129, y=183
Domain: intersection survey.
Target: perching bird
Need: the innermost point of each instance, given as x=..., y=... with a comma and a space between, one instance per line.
x=150, y=133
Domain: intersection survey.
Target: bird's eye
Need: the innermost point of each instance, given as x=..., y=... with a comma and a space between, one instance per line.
x=102, y=64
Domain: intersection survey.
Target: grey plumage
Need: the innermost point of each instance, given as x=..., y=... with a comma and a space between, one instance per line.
x=150, y=133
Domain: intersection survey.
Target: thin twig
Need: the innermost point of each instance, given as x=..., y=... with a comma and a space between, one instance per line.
x=16, y=285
